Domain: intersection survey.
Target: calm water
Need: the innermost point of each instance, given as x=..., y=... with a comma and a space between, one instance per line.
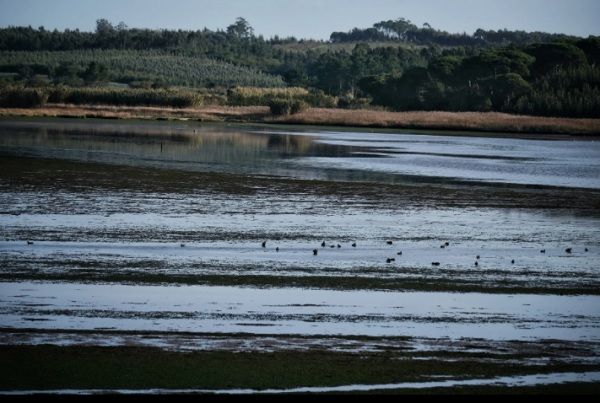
x=309, y=153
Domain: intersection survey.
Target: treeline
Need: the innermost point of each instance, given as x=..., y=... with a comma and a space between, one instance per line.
x=537, y=73
x=558, y=79
x=239, y=38
x=403, y=30
x=237, y=44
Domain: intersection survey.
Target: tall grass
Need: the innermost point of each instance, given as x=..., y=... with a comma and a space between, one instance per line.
x=253, y=96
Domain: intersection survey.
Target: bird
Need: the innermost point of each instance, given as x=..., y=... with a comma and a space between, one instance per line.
x=354, y=245
x=586, y=249
x=443, y=246
x=513, y=261
x=339, y=246
x=399, y=253
x=323, y=244
x=478, y=257
x=390, y=242
x=447, y=243
x=264, y=244
x=29, y=242
x=332, y=246
x=569, y=250
x=315, y=252
x=277, y=249
x=543, y=251
x=435, y=263
x=389, y=260
x=476, y=263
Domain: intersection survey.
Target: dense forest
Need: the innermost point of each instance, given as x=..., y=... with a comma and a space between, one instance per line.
x=394, y=65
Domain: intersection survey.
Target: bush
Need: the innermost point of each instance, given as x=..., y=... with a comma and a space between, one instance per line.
x=318, y=99
x=284, y=107
x=19, y=97
x=353, y=103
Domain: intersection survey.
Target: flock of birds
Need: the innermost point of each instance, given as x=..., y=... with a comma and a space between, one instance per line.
x=389, y=259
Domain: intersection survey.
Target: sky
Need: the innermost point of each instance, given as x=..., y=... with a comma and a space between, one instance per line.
x=314, y=19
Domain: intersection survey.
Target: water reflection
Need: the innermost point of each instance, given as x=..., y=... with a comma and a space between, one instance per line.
x=217, y=148
x=307, y=154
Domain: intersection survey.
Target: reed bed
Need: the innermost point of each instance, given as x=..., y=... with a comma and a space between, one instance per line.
x=500, y=123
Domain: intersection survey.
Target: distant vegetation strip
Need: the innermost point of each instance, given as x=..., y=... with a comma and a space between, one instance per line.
x=23, y=97
x=135, y=67
x=17, y=96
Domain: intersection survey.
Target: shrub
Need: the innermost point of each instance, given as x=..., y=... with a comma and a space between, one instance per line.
x=18, y=97
x=353, y=103
x=318, y=99
x=284, y=107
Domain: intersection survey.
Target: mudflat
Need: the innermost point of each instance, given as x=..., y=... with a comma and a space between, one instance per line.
x=127, y=244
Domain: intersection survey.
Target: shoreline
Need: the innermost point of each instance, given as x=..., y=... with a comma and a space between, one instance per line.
x=483, y=124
